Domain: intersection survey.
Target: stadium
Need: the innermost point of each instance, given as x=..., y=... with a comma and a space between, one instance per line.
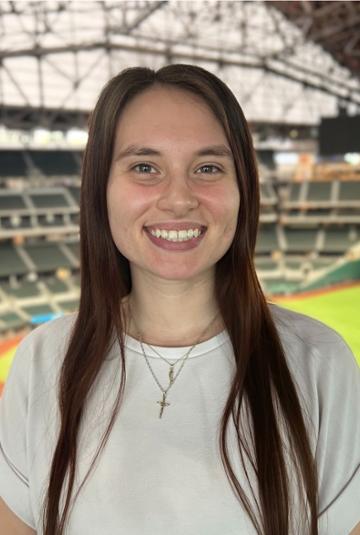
x=79, y=240
x=302, y=101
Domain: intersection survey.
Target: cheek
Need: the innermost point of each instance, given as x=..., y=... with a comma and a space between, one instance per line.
x=126, y=204
x=116, y=208
x=224, y=204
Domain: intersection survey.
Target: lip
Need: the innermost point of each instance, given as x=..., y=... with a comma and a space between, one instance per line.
x=175, y=246
x=176, y=225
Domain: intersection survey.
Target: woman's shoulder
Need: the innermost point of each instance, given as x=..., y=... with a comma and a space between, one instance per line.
x=38, y=358
x=300, y=332
x=54, y=331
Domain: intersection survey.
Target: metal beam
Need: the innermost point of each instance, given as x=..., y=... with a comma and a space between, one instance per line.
x=279, y=67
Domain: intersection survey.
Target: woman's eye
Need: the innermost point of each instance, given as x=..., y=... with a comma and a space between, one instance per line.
x=142, y=167
x=210, y=167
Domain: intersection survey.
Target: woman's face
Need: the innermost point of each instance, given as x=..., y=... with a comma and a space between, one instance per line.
x=171, y=183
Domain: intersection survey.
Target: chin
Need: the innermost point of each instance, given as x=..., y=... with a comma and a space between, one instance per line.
x=181, y=273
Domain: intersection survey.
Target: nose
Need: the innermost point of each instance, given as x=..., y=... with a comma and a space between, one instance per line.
x=178, y=197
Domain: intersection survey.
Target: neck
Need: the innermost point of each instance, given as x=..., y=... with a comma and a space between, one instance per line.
x=172, y=319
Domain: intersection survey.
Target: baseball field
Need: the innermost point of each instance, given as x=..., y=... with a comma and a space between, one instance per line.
x=339, y=308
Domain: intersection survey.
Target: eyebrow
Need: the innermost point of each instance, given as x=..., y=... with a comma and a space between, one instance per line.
x=136, y=150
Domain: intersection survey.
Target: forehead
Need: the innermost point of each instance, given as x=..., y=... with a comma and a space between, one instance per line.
x=168, y=111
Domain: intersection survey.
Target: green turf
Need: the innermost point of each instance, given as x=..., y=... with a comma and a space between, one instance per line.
x=339, y=309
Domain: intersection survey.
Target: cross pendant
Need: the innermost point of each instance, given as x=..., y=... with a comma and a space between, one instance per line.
x=163, y=404
x=171, y=374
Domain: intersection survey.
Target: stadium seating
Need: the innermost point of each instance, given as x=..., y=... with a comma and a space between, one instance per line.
x=11, y=261
x=29, y=211
x=47, y=163
x=318, y=202
x=337, y=240
x=305, y=228
x=268, y=203
x=55, y=162
x=267, y=240
x=300, y=240
x=13, y=163
x=349, y=194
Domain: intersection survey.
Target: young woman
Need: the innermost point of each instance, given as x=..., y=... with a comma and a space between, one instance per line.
x=177, y=400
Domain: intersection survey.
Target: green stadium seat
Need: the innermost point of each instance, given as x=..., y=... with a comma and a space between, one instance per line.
x=12, y=163
x=55, y=285
x=266, y=264
x=349, y=191
x=25, y=290
x=48, y=200
x=295, y=192
x=295, y=195
x=34, y=310
x=69, y=306
x=11, y=202
x=337, y=240
x=319, y=193
x=294, y=264
x=74, y=248
x=55, y=162
x=47, y=256
x=267, y=240
x=11, y=261
x=300, y=240
x=323, y=262
x=75, y=193
x=11, y=320
x=267, y=194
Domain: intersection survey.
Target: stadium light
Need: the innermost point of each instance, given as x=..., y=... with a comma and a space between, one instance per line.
x=352, y=157
x=76, y=137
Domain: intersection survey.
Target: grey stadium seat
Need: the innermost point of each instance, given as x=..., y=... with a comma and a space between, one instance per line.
x=300, y=240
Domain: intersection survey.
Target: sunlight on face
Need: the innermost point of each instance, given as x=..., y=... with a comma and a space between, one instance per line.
x=161, y=173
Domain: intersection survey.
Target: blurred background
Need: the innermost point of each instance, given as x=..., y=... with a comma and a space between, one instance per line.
x=295, y=69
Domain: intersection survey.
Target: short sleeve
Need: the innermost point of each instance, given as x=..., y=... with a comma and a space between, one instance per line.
x=14, y=477
x=338, y=446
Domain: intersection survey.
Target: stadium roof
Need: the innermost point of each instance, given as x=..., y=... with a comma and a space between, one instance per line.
x=55, y=56
x=335, y=26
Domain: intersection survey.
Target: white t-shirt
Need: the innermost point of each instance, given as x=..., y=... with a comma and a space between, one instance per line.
x=164, y=475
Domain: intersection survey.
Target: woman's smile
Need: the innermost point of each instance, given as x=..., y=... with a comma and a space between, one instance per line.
x=167, y=244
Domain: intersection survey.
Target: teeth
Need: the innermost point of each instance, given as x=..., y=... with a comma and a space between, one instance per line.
x=174, y=235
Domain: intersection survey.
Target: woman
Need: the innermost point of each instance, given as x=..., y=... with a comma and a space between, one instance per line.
x=177, y=400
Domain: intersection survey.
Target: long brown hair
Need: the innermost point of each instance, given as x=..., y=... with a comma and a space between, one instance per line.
x=262, y=378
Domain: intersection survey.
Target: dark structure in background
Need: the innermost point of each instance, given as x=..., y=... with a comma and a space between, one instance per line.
x=339, y=135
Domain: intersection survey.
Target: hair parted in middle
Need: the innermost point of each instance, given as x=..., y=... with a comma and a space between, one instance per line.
x=262, y=381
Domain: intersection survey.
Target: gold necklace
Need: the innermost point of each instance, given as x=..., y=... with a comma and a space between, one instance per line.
x=163, y=403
